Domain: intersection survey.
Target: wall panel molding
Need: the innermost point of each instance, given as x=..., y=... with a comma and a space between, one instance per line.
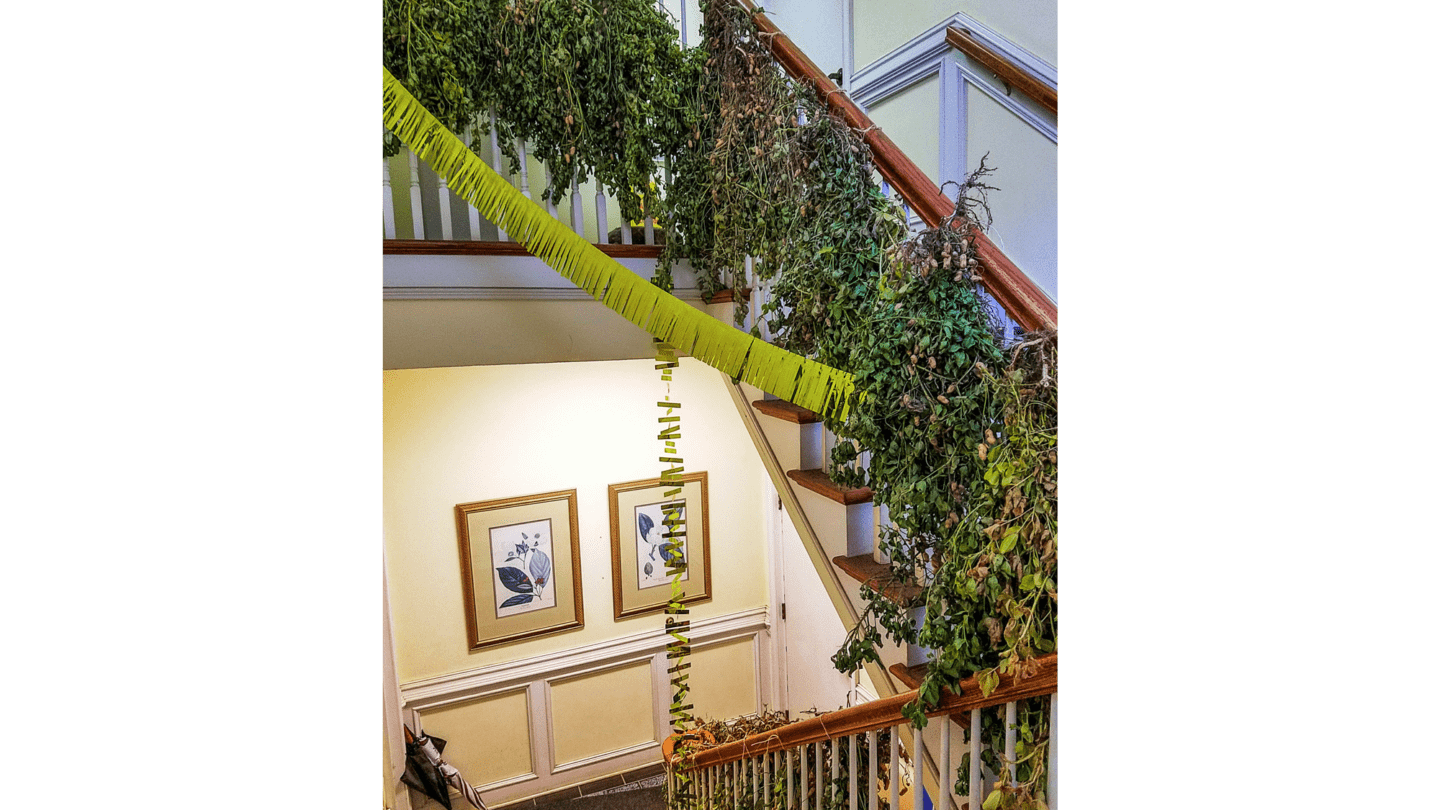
x=535, y=675
x=928, y=52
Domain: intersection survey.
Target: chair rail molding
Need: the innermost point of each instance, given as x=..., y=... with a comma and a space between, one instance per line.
x=926, y=54
x=430, y=693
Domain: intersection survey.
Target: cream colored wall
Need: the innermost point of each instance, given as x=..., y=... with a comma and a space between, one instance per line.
x=1025, y=207
x=456, y=435
x=912, y=120
x=881, y=26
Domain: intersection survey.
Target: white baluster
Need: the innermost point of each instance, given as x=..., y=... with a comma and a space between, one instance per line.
x=649, y=230
x=736, y=769
x=789, y=772
x=1052, y=792
x=917, y=758
x=625, y=238
x=976, y=780
x=447, y=227
x=496, y=161
x=873, y=774
x=882, y=520
x=766, y=760
x=388, y=202
x=524, y=169
x=834, y=766
x=577, y=209
x=550, y=183
x=895, y=768
x=473, y=211
x=804, y=777
x=944, y=766
x=854, y=769
x=417, y=211
x=602, y=219
x=1010, y=740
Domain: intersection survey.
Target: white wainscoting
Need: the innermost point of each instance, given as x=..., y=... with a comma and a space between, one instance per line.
x=534, y=676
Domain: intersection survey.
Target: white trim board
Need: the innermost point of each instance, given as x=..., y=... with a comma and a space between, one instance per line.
x=430, y=693
x=441, y=277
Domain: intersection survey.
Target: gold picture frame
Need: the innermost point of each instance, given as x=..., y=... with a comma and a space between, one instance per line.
x=635, y=529
x=520, y=567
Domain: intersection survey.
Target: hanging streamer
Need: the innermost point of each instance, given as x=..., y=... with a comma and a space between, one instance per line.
x=789, y=376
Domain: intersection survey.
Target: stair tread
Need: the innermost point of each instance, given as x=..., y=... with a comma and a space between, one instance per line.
x=910, y=676
x=818, y=481
x=789, y=411
x=864, y=568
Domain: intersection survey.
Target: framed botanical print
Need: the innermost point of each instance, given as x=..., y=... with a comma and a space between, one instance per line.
x=639, y=555
x=520, y=567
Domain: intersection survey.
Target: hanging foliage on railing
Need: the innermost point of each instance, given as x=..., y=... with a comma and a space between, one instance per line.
x=963, y=445
x=771, y=174
x=594, y=87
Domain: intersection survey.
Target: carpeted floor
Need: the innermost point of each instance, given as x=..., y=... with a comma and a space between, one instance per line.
x=647, y=794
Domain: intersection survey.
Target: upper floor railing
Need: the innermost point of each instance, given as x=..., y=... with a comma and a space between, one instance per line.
x=421, y=215
x=436, y=216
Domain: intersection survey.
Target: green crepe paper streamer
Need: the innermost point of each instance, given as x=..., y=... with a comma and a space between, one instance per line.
x=789, y=376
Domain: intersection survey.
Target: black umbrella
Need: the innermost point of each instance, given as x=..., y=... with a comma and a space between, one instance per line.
x=431, y=773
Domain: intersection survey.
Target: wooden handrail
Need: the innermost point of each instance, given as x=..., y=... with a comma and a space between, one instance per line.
x=1020, y=296
x=1012, y=74
x=884, y=713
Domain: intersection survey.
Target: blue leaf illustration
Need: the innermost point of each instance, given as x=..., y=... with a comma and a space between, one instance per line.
x=540, y=567
x=670, y=552
x=518, y=599
x=649, y=569
x=646, y=524
x=514, y=579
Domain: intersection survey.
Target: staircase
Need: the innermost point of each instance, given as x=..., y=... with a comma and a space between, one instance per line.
x=838, y=525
